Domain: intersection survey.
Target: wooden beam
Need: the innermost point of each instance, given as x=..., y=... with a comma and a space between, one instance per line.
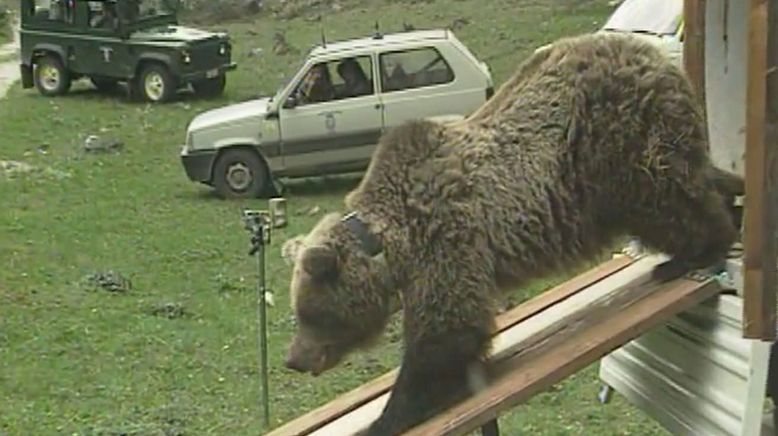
x=320, y=417
x=694, y=45
x=547, y=356
x=759, y=257
x=609, y=298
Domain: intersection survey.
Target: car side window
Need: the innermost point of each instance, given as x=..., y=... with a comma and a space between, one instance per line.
x=336, y=80
x=415, y=68
x=54, y=10
x=103, y=15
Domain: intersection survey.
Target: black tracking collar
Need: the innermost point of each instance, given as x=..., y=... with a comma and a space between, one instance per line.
x=370, y=242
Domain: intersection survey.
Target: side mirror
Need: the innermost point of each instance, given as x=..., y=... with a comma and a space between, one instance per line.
x=290, y=102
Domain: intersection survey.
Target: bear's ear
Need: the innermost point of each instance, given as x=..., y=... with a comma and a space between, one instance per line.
x=320, y=262
x=292, y=248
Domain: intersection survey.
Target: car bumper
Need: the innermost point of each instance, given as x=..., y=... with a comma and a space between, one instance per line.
x=198, y=164
x=209, y=74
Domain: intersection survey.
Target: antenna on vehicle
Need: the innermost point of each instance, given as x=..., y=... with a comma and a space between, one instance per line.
x=321, y=27
x=377, y=34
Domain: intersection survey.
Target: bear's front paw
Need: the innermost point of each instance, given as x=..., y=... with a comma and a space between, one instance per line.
x=367, y=432
x=378, y=427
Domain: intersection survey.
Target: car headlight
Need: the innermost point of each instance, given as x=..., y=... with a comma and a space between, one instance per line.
x=189, y=145
x=223, y=49
x=186, y=57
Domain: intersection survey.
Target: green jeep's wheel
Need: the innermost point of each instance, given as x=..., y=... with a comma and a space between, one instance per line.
x=210, y=87
x=240, y=173
x=156, y=84
x=51, y=77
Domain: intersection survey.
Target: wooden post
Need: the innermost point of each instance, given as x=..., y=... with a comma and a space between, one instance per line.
x=759, y=257
x=694, y=45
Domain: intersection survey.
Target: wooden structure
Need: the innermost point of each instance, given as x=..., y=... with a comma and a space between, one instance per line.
x=734, y=63
x=731, y=56
x=706, y=371
x=759, y=259
x=540, y=342
x=317, y=419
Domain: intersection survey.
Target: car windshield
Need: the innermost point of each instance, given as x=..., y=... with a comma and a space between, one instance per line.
x=659, y=17
x=288, y=79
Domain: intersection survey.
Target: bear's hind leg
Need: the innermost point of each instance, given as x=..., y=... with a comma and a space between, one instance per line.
x=695, y=233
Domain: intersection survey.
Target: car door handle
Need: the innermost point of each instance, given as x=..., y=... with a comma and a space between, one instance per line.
x=379, y=105
x=325, y=113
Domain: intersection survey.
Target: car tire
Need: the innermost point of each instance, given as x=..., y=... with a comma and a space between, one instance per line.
x=155, y=84
x=51, y=77
x=210, y=87
x=104, y=85
x=240, y=173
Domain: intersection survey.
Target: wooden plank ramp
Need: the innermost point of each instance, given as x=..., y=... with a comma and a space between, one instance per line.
x=539, y=343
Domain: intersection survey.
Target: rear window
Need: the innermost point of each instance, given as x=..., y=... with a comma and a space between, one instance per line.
x=414, y=68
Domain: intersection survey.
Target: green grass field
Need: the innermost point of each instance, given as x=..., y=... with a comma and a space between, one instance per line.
x=80, y=361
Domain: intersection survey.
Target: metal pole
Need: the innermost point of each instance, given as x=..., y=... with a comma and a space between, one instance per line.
x=262, y=309
x=258, y=224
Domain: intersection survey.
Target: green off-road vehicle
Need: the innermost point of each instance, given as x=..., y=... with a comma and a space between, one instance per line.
x=112, y=41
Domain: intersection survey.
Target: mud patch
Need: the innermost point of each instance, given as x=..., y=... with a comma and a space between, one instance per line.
x=109, y=281
x=169, y=310
x=228, y=285
x=11, y=169
x=97, y=144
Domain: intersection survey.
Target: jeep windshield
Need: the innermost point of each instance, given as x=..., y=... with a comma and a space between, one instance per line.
x=657, y=17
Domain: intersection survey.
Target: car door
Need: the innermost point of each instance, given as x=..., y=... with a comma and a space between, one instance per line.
x=333, y=122
x=419, y=82
x=101, y=52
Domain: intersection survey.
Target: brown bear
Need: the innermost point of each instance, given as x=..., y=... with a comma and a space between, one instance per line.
x=594, y=137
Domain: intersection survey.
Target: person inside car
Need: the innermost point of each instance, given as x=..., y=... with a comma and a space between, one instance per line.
x=316, y=86
x=357, y=83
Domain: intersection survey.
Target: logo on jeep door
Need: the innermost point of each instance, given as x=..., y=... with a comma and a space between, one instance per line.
x=106, y=53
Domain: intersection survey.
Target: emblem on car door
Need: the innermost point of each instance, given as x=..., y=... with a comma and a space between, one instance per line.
x=107, y=51
x=329, y=120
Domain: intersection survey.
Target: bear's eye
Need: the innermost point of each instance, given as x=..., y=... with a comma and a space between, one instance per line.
x=321, y=320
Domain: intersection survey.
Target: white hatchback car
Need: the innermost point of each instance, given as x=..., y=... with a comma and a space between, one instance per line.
x=328, y=117
x=658, y=21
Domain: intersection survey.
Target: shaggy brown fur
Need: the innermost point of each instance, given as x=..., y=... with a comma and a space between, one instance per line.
x=594, y=137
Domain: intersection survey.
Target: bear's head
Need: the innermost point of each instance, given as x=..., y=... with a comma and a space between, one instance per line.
x=339, y=293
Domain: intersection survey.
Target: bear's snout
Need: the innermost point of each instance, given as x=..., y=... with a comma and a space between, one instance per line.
x=294, y=364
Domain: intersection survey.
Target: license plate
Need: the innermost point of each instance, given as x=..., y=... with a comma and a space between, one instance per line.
x=212, y=73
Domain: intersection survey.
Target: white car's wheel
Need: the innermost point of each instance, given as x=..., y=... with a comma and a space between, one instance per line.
x=240, y=173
